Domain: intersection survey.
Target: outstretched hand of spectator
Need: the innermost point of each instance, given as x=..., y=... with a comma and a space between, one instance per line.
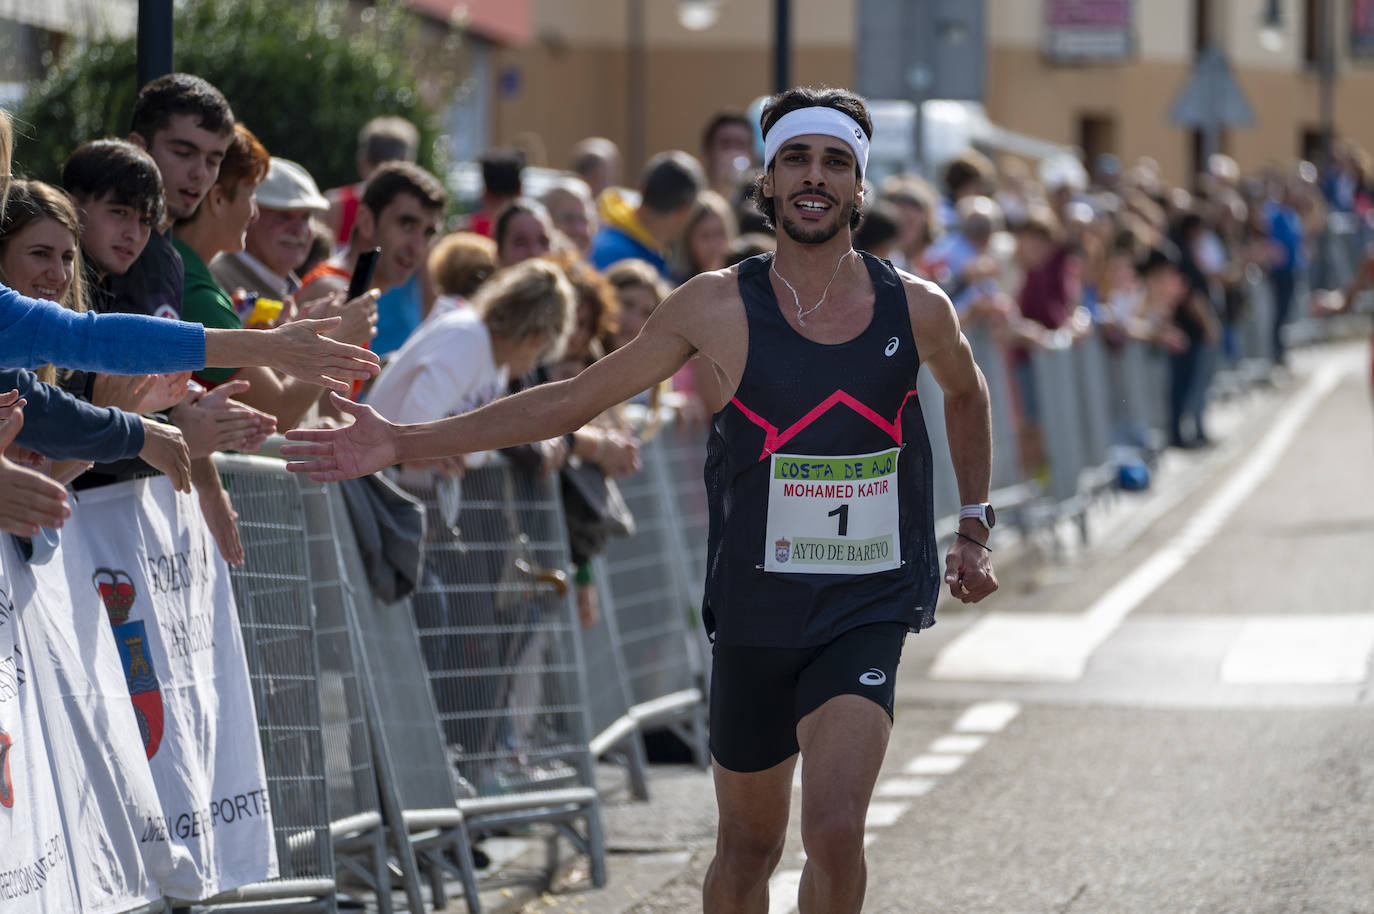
x=218, y=512
x=164, y=449
x=364, y=447
x=358, y=318
x=28, y=499
x=215, y=422
x=9, y=401
x=167, y=390
x=303, y=351
x=122, y=391
x=618, y=455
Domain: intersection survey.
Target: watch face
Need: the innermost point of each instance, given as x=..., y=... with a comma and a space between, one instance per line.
x=990, y=515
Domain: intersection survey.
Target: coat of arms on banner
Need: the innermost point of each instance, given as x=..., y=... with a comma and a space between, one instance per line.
x=784, y=547
x=116, y=590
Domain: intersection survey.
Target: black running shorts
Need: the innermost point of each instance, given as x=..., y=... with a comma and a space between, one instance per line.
x=759, y=694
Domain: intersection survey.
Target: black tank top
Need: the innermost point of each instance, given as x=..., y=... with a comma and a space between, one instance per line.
x=818, y=475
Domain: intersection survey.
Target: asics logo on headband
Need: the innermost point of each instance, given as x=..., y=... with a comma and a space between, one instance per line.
x=817, y=120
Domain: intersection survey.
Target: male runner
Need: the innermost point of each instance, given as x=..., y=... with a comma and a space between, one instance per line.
x=821, y=547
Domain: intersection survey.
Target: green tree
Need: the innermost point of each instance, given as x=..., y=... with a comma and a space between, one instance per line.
x=303, y=76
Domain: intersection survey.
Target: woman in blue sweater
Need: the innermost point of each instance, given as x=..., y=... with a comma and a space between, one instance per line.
x=35, y=332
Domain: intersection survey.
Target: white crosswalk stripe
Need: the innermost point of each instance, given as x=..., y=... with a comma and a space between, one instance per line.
x=1308, y=650
x=1011, y=647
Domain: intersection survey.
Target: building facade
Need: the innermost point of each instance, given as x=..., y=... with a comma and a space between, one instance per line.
x=1102, y=75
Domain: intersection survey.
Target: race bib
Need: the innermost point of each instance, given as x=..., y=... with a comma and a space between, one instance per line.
x=832, y=515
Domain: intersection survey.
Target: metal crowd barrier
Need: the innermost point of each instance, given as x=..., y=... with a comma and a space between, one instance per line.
x=356, y=787
x=276, y=615
x=417, y=785
x=499, y=637
x=1338, y=251
x=648, y=591
x=616, y=734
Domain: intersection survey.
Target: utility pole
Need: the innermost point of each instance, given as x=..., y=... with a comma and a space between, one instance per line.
x=782, y=45
x=154, y=39
x=635, y=94
x=1326, y=72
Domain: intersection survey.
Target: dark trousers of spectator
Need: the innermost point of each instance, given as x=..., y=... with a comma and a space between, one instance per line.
x=1189, y=375
x=1285, y=285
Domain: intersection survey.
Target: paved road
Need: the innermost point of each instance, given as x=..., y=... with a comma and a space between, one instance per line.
x=1178, y=718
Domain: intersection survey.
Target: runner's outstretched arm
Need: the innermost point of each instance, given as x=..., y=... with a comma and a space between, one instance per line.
x=371, y=442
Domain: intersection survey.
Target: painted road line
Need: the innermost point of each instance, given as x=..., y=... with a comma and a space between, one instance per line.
x=905, y=787
x=782, y=892
x=1013, y=647
x=934, y=764
x=987, y=717
x=958, y=745
x=1311, y=650
x=882, y=814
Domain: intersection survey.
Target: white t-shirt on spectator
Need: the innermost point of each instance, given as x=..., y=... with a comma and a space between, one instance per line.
x=444, y=368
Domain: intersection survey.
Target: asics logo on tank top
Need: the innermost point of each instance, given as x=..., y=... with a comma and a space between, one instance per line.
x=891, y=348
x=874, y=677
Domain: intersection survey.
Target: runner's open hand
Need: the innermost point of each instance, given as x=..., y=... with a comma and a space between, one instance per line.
x=364, y=447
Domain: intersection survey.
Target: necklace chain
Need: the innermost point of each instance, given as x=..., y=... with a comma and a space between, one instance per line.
x=796, y=299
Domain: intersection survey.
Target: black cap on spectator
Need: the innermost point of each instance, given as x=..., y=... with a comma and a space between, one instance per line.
x=501, y=170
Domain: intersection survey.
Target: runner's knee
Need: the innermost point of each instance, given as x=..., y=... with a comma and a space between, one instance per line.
x=748, y=849
x=833, y=840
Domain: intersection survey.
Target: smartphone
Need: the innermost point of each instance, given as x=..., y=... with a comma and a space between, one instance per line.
x=362, y=273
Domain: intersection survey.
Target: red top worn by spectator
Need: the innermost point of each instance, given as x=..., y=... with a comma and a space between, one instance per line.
x=1046, y=295
x=349, y=196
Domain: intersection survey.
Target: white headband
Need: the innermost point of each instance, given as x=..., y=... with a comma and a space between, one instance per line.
x=823, y=120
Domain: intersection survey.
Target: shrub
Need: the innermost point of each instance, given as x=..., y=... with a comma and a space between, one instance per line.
x=303, y=76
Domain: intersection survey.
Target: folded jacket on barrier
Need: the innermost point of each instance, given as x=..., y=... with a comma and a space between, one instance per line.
x=389, y=524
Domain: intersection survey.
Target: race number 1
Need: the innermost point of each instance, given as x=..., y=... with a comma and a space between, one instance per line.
x=832, y=515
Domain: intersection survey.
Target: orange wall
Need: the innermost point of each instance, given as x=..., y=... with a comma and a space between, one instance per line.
x=571, y=93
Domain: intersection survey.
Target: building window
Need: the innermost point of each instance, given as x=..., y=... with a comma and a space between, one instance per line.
x=1096, y=137
x=1310, y=143
x=1312, y=32
x=1202, y=25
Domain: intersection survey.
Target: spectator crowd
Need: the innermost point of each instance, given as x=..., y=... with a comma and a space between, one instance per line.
x=183, y=292
x=189, y=218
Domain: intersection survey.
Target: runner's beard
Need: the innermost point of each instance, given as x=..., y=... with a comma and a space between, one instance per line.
x=821, y=233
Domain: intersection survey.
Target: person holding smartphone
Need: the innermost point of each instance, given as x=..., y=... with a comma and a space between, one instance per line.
x=400, y=212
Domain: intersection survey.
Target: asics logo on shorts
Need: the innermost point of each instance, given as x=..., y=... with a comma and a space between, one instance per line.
x=891, y=348
x=874, y=677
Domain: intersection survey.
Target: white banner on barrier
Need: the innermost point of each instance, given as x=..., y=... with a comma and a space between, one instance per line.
x=35, y=869
x=106, y=787
x=156, y=574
